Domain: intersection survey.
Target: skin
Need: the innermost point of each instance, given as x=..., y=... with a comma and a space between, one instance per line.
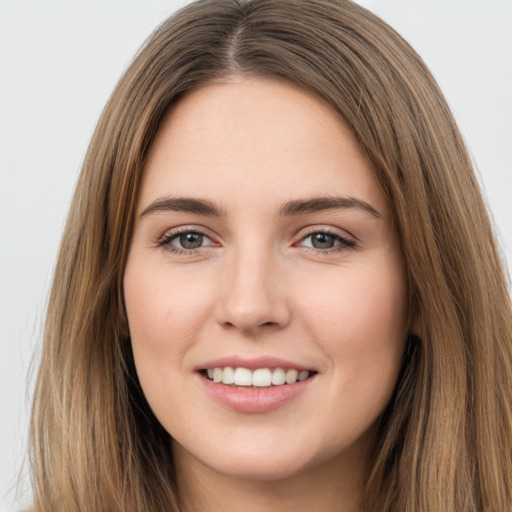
x=257, y=287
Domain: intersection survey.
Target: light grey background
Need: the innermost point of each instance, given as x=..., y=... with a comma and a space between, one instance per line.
x=59, y=61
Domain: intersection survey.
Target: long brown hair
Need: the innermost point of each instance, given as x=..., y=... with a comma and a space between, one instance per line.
x=445, y=439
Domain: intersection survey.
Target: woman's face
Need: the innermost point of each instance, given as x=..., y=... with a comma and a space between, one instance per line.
x=263, y=252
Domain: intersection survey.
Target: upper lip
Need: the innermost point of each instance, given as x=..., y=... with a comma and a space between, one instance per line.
x=252, y=363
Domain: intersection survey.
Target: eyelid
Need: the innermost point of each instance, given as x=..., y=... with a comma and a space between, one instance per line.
x=346, y=241
x=165, y=240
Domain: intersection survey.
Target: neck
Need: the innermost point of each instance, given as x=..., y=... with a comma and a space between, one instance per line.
x=332, y=486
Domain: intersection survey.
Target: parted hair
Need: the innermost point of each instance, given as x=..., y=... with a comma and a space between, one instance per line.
x=444, y=441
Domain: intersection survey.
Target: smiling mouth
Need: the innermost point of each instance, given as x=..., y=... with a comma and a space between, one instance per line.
x=240, y=377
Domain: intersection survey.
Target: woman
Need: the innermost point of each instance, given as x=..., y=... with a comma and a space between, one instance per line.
x=278, y=287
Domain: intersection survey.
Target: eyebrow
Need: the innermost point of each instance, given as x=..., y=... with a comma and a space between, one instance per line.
x=300, y=206
x=183, y=204
x=291, y=208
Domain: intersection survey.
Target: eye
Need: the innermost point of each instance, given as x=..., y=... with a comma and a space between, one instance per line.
x=189, y=240
x=320, y=241
x=323, y=241
x=185, y=241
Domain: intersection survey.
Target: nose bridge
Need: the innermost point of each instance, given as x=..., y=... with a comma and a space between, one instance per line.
x=252, y=291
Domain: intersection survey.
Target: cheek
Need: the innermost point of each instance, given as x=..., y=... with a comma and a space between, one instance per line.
x=358, y=320
x=361, y=306
x=165, y=315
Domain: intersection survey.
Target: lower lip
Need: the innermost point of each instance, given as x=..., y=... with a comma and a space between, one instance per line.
x=252, y=400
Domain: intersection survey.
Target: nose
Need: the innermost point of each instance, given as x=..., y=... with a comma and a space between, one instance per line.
x=253, y=297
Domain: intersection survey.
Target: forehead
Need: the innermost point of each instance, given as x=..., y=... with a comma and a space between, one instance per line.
x=256, y=140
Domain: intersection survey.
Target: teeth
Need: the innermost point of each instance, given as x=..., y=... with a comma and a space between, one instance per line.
x=217, y=374
x=278, y=377
x=262, y=377
x=243, y=377
x=291, y=376
x=228, y=376
x=303, y=375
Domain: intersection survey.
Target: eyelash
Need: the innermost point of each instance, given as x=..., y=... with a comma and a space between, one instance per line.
x=344, y=242
x=166, y=242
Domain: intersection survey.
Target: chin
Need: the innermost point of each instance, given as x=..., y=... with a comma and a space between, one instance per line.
x=263, y=469
x=247, y=462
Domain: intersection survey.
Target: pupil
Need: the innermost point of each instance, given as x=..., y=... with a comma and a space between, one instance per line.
x=322, y=241
x=191, y=240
